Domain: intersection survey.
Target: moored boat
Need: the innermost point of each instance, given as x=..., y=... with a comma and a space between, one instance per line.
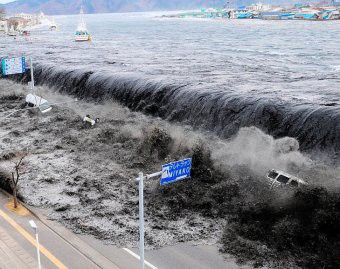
x=82, y=33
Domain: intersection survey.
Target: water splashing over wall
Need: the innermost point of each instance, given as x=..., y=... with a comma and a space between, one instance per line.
x=315, y=127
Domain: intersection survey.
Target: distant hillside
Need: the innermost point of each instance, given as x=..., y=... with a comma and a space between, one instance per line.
x=54, y=7
x=101, y=6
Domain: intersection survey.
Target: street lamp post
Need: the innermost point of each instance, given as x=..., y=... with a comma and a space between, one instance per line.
x=35, y=228
x=141, y=221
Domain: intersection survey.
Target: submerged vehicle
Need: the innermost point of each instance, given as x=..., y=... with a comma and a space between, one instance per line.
x=82, y=33
x=33, y=100
x=88, y=121
x=279, y=178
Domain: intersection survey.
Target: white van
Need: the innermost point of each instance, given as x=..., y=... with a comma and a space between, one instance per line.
x=37, y=101
x=279, y=178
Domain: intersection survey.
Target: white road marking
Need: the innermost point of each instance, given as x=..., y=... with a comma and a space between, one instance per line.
x=138, y=258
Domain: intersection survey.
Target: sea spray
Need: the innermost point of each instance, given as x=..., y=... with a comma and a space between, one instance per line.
x=259, y=151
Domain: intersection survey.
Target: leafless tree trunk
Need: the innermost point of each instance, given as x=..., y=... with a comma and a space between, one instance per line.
x=15, y=179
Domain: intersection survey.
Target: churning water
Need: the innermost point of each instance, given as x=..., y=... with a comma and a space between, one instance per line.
x=281, y=76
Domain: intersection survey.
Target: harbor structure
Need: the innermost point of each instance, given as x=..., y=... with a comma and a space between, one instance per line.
x=299, y=11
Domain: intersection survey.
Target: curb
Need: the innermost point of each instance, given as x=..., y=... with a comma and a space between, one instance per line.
x=70, y=238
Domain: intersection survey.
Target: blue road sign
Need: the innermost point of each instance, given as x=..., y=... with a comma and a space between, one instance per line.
x=12, y=66
x=175, y=171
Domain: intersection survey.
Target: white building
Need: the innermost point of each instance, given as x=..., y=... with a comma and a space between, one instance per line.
x=32, y=18
x=259, y=7
x=3, y=26
x=25, y=16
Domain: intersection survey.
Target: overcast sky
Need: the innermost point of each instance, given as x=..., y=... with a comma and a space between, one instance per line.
x=5, y=1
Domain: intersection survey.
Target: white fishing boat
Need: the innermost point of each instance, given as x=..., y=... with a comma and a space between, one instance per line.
x=82, y=33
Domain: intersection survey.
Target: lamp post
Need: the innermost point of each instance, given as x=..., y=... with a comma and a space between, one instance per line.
x=141, y=220
x=140, y=181
x=35, y=228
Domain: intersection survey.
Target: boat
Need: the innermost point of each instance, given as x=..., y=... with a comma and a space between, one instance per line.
x=12, y=32
x=82, y=33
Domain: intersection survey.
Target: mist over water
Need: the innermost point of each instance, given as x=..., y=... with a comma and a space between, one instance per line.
x=222, y=75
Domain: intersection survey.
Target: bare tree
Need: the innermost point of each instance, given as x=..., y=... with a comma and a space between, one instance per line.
x=15, y=178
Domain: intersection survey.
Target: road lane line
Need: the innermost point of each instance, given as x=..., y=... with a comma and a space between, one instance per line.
x=138, y=258
x=29, y=238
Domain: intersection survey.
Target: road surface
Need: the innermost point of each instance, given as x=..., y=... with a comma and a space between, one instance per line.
x=60, y=248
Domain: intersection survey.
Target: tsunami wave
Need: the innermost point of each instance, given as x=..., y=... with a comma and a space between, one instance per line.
x=316, y=127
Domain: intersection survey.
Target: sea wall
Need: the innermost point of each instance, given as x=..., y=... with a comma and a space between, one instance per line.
x=317, y=128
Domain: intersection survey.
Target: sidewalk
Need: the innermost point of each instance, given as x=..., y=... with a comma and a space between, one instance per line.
x=12, y=255
x=60, y=248
x=18, y=245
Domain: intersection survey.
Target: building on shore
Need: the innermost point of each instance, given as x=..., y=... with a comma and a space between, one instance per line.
x=32, y=19
x=317, y=11
x=276, y=15
x=240, y=13
x=259, y=7
x=3, y=26
x=19, y=21
x=307, y=16
x=3, y=21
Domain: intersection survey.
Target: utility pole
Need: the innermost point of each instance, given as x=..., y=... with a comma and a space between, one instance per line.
x=141, y=220
x=180, y=170
x=32, y=77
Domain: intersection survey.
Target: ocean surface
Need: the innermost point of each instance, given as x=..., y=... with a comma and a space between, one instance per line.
x=281, y=76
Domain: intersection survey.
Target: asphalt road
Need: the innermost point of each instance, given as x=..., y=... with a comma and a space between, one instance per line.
x=60, y=248
x=181, y=256
x=18, y=243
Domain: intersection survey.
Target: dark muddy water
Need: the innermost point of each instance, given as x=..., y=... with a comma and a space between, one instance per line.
x=281, y=76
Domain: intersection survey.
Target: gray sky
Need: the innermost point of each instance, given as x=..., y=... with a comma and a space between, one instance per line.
x=5, y=1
